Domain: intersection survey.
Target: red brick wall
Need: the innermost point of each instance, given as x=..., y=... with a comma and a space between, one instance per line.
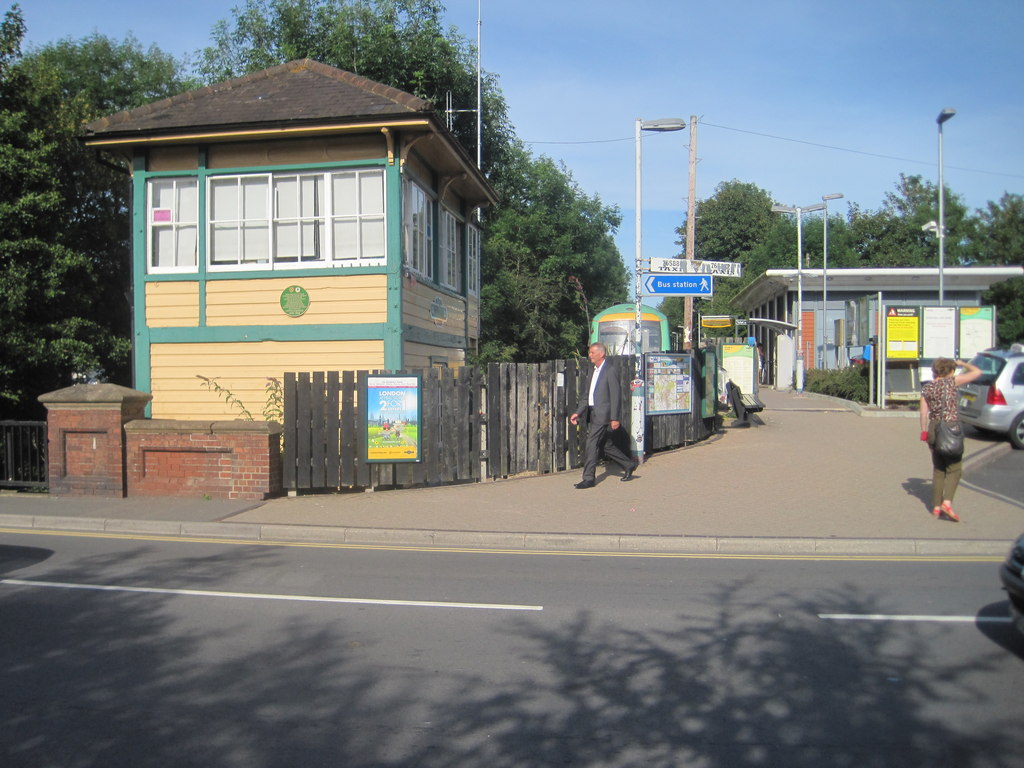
x=223, y=460
x=86, y=455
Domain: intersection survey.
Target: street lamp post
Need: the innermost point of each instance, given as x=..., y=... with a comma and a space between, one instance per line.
x=799, y=210
x=661, y=125
x=824, y=280
x=944, y=115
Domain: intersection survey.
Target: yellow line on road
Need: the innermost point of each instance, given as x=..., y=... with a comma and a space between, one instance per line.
x=495, y=551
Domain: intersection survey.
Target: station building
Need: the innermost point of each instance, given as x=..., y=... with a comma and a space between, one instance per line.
x=296, y=219
x=833, y=316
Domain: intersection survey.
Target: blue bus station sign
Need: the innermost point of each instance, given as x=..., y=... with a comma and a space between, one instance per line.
x=679, y=285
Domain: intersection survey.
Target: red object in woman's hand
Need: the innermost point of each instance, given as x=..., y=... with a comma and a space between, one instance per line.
x=924, y=436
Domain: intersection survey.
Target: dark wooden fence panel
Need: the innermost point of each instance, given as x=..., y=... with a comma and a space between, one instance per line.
x=511, y=419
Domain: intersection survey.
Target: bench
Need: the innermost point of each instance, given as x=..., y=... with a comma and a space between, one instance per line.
x=744, y=405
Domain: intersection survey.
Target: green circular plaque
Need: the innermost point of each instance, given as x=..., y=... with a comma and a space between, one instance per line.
x=294, y=300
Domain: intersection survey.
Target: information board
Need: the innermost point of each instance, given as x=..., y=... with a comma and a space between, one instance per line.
x=977, y=330
x=740, y=364
x=902, y=333
x=669, y=378
x=938, y=331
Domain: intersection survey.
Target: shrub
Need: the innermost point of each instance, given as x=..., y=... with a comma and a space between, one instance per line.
x=847, y=383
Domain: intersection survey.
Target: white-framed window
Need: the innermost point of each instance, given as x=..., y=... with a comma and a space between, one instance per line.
x=357, y=217
x=419, y=229
x=239, y=221
x=172, y=218
x=451, y=251
x=299, y=219
x=473, y=260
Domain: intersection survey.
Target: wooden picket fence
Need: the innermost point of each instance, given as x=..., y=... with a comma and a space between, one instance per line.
x=509, y=420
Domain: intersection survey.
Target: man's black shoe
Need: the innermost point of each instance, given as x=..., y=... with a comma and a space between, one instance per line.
x=585, y=484
x=628, y=475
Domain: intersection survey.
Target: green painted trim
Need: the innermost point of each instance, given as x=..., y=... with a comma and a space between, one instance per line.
x=201, y=236
x=394, y=216
x=204, y=171
x=141, y=375
x=247, y=333
x=263, y=274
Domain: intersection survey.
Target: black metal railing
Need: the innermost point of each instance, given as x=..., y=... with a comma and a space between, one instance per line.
x=23, y=454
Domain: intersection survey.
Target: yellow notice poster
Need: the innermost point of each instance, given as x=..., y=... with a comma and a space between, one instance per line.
x=902, y=333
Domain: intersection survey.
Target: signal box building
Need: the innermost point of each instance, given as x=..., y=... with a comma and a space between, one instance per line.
x=299, y=218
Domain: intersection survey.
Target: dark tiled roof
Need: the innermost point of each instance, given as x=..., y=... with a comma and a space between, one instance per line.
x=296, y=93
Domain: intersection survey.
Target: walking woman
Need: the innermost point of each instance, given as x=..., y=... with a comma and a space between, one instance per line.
x=938, y=402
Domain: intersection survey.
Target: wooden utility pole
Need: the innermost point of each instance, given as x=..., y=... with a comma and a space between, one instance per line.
x=691, y=222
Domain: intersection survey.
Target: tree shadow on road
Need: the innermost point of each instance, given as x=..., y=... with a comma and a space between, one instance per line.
x=114, y=679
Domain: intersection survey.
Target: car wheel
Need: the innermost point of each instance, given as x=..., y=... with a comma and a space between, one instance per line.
x=1017, y=432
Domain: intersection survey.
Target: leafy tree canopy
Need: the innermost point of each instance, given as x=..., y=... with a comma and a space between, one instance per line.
x=549, y=246
x=64, y=230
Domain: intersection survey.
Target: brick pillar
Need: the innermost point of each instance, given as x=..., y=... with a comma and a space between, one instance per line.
x=85, y=429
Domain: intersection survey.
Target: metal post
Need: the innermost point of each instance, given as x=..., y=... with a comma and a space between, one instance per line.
x=799, y=302
x=944, y=115
x=637, y=320
x=799, y=211
x=824, y=282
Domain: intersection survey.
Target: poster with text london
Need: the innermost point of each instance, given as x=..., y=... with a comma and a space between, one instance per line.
x=391, y=422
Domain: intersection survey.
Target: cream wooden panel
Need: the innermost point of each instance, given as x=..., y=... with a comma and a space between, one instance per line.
x=172, y=159
x=172, y=304
x=338, y=299
x=418, y=300
x=314, y=150
x=242, y=369
x=419, y=356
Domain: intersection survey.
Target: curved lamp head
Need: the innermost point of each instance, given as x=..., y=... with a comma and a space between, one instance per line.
x=663, y=124
x=944, y=115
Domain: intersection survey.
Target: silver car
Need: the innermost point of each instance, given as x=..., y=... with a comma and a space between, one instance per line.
x=995, y=400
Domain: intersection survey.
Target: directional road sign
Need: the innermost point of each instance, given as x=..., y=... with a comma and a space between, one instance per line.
x=697, y=267
x=679, y=285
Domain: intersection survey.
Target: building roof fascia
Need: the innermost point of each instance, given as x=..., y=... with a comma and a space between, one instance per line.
x=872, y=279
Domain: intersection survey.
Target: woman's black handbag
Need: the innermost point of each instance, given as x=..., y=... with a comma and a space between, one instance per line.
x=949, y=439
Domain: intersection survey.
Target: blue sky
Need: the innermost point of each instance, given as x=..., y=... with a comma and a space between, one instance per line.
x=800, y=98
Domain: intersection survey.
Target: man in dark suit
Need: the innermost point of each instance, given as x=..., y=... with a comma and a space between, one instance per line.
x=601, y=409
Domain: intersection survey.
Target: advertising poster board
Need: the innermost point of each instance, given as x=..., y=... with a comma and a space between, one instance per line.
x=391, y=418
x=902, y=333
x=938, y=329
x=740, y=364
x=977, y=330
x=669, y=382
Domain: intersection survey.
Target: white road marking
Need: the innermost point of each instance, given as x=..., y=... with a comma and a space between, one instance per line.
x=259, y=596
x=912, y=617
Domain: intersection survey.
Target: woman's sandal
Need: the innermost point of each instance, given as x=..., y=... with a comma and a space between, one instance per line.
x=947, y=510
x=937, y=512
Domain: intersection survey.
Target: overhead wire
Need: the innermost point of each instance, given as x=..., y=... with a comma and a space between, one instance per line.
x=793, y=141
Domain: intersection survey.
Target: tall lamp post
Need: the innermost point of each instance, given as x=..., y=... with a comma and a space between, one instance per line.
x=799, y=210
x=944, y=115
x=824, y=280
x=661, y=125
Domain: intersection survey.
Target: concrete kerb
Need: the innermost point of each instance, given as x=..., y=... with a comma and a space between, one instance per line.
x=739, y=546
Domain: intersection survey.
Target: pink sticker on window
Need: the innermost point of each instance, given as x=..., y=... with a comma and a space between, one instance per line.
x=162, y=215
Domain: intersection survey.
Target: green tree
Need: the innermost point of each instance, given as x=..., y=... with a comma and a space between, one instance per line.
x=1000, y=241
x=401, y=43
x=546, y=232
x=45, y=335
x=732, y=225
x=64, y=232
x=894, y=236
